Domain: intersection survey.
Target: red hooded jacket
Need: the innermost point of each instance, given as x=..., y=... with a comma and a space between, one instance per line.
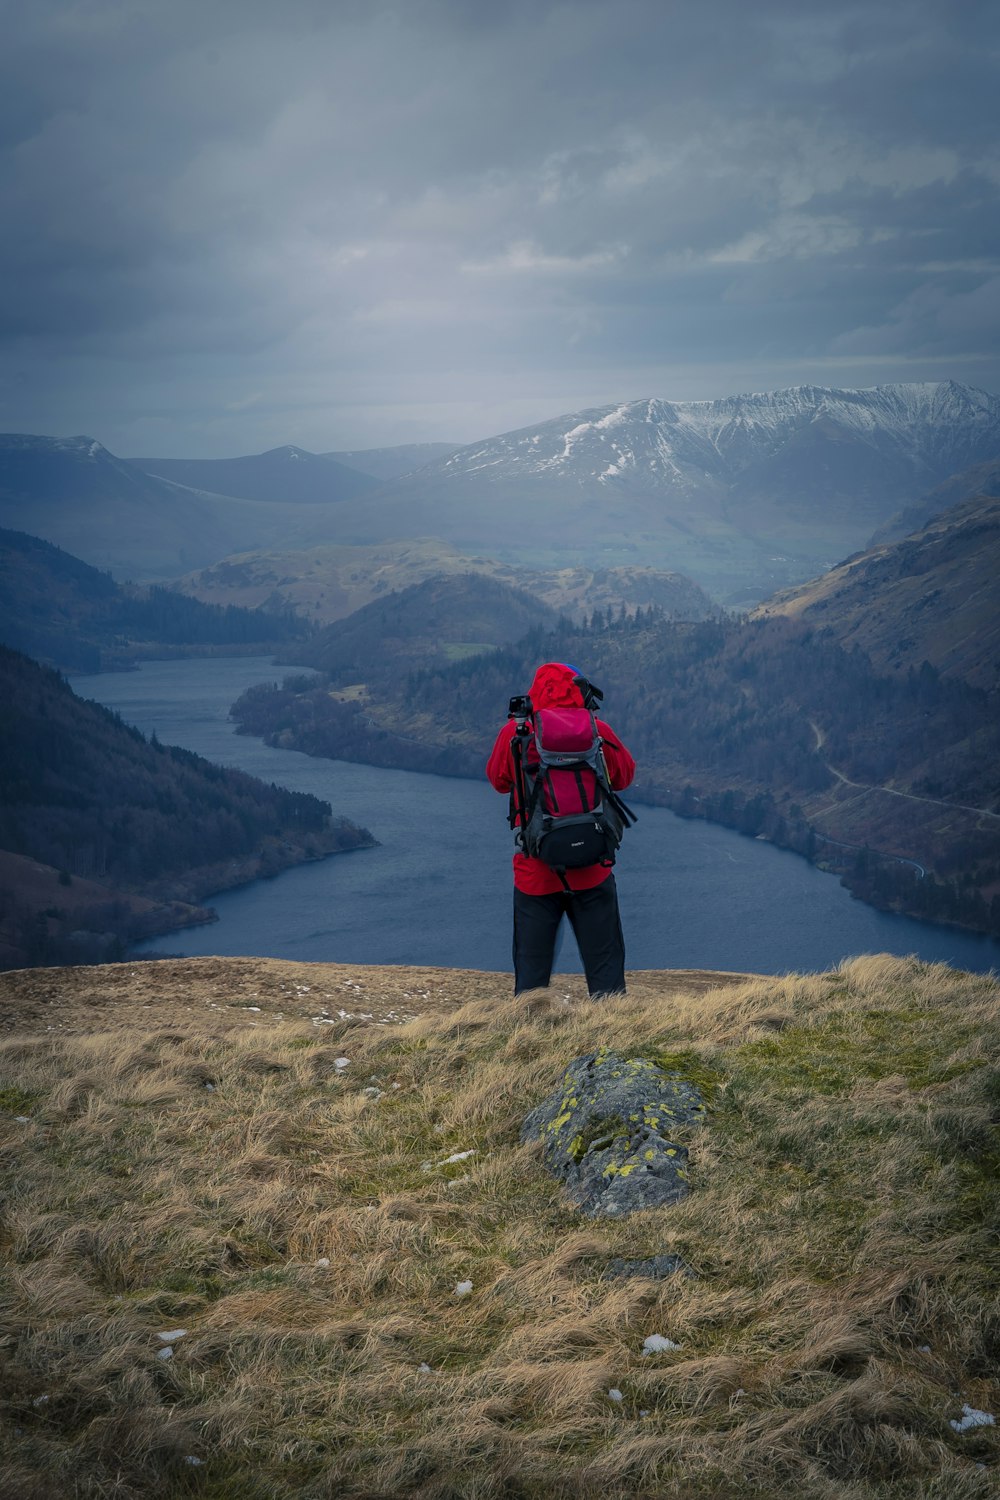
x=553, y=687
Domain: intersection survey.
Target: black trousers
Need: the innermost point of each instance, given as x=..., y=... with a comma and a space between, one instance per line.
x=596, y=924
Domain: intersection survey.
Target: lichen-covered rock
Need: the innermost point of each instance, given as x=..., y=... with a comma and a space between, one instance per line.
x=653, y=1268
x=607, y=1133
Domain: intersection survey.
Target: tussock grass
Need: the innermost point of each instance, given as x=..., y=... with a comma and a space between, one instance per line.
x=309, y=1237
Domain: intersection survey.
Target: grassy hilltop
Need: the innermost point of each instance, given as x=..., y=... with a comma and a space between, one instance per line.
x=187, y=1149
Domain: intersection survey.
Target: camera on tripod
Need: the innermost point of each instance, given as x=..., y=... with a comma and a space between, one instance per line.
x=591, y=695
x=519, y=707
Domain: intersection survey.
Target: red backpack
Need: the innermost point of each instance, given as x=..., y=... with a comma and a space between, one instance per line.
x=568, y=813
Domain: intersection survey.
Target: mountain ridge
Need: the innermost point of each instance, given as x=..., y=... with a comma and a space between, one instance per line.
x=78, y=495
x=745, y=494
x=286, y=473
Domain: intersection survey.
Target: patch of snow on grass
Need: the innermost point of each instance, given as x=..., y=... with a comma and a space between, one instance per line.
x=657, y=1344
x=972, y=1418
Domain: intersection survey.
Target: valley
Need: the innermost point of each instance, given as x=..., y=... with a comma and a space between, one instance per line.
x=850, y=717
x=818, y=723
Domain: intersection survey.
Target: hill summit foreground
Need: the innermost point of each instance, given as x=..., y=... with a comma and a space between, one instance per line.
x=270, y=1232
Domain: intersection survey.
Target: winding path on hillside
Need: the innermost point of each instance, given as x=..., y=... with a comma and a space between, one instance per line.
x=889, y=791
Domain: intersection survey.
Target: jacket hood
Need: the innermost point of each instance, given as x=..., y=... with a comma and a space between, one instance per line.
x=553, y=687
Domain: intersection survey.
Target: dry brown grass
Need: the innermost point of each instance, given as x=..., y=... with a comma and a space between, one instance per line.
x=197, y=1168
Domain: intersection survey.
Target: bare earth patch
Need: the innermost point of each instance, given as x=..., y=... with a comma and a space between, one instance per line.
x=115, y=995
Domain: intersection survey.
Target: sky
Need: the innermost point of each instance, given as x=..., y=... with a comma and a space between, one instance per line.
x=233, y=224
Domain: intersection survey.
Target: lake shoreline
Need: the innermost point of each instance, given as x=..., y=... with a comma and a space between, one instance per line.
x=436, y=889
x=724, y=806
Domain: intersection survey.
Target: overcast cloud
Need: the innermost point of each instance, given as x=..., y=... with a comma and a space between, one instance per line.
x=230, y=224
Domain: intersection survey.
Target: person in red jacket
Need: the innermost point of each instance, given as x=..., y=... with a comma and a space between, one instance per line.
x=540, y=896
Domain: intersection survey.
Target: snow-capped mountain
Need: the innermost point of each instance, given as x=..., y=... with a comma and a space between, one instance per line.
x=929, y=430
x=745, y=493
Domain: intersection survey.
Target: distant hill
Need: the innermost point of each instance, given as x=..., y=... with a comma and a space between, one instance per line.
x=65, y=613
x=281, y=474
x=329, y=583
x=152, y=828
x=429, y=624
x=73, y=492
x=744, y=494
x=390, y=463
x=969, y=484
x=935, y=597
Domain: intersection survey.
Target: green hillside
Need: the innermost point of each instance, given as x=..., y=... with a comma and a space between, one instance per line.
x=933, y=596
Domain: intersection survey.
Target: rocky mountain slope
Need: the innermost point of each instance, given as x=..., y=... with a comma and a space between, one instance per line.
x=968, y=484
x=742, y=493
x=934, y=597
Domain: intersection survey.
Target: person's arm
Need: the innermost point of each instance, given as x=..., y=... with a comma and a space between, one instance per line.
x=621, y=766
x=500, y=767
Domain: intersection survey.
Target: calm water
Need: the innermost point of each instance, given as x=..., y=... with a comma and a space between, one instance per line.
x=437, y=890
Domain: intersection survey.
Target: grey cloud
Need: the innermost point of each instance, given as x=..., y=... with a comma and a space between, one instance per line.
x=304, y=213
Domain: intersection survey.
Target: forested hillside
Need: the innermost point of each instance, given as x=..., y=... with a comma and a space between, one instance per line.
x=59, y=609
x=768, y=726
x=83, y=794
x=429, y=624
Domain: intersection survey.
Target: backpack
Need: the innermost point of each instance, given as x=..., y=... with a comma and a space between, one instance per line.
x=570, y=816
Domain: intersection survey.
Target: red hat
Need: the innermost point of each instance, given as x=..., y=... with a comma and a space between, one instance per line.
x=553, y=687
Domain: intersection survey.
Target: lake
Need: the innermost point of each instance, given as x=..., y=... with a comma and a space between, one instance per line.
x=437, y=889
